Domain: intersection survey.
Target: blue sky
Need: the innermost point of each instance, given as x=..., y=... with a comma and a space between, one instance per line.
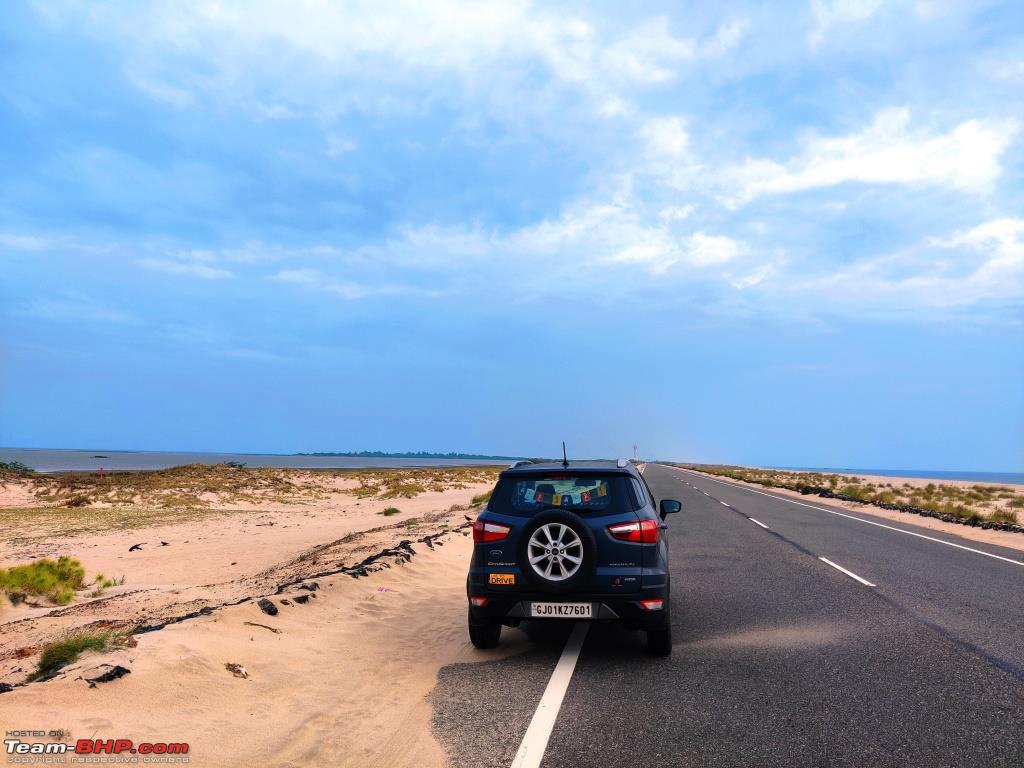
x=752, y=233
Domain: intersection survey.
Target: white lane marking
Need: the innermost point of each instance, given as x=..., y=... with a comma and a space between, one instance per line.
x=706, y=493
x=758, y=522
x=851, y=574
x=724, y=504
x=531, y=749
x=869, y=522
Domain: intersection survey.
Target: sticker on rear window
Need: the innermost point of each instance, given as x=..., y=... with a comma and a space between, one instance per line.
x=582, y=492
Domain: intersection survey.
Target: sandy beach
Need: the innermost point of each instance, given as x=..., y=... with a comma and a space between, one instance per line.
x=340, y=674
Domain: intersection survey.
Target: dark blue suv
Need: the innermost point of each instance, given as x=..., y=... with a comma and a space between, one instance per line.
x=579, y=540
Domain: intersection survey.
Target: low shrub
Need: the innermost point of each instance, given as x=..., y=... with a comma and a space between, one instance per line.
x=972, y=504
x=855, y=491
x=15, y=467
x=1003, y=516
x=63, y=652
x=55, y=580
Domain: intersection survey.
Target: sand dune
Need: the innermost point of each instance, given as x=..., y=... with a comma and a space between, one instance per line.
x=343, y=680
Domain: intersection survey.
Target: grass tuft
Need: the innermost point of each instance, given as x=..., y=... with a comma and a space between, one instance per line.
x=55, y=580
x=481, y=498
x=390, y=511
x=59, y=654
x=1003, y=516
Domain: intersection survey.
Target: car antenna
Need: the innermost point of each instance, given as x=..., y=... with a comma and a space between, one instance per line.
x=565, y=459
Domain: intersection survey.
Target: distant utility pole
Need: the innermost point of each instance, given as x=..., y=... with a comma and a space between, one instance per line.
x=634, y=451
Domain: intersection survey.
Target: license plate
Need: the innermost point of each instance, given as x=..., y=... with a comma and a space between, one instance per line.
x=561, y=610
x=501, y=578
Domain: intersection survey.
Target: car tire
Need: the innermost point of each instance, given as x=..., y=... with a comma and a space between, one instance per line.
x=586, y=535
x=484, y=634
x=659, y=641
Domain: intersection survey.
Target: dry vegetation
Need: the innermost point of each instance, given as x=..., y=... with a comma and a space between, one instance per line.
x=407, y=483
x=58, y=654
x=199, y=486
x=54, y=580
x=86, y=502
x=193, y=485
x=988, y=505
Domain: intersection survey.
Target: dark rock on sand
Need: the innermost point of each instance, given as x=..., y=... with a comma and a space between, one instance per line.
x=267, y=607
x=113, y=673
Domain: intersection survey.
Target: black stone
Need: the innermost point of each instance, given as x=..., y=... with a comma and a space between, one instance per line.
x=111, y=674
x=267, y=607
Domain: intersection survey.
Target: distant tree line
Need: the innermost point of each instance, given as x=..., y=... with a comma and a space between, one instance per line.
x=411, y=455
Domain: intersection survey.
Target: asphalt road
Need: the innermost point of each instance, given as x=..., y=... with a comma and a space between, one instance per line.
x=780, y=659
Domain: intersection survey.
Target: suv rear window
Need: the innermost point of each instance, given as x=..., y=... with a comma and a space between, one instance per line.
x=528, y=494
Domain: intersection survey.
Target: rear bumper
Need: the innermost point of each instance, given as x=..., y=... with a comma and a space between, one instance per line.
x=513, y=607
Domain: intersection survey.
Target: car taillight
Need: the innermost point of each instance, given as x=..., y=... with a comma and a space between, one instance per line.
x=477, y=602
x=641, y=532
x=654, y=604
x=484, y=532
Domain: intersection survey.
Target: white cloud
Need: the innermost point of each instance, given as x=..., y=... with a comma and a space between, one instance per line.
x=998, y=233
x=659, y=251
x=755, y=276
x=346, y=289
x=977, y=266
x=1008, y=70
x=339, y=145
x=195, y=268
x=886, y=152
x=648, y=54
x=15, y=242
x=615, y=107
x=232, y=50
x=677, y=212
x=829, y=14
x=666, y=137
x=706, y=250
x=73, y=308
x=728, y=37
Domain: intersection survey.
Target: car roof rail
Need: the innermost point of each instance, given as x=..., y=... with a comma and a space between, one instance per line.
x=519, y=463
x=622, y=463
